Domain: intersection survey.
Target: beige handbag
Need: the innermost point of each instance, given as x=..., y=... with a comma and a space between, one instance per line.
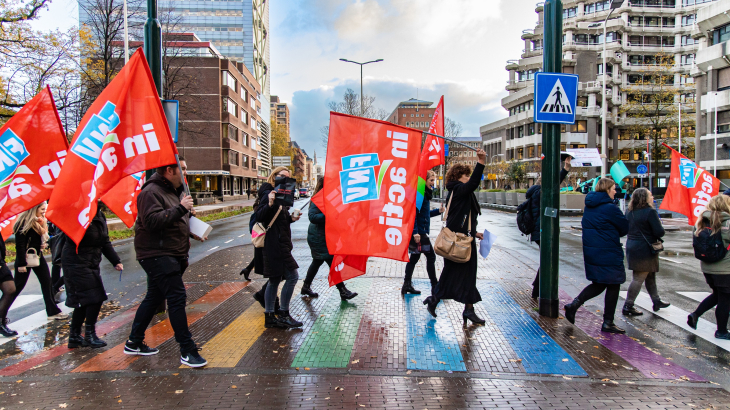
x=32, y=260
x=258, y=234
x=451, y=245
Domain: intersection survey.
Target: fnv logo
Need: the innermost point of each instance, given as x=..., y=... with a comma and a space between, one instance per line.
x=357, y=177
x=12, y=153
x=688, y=172
x=96, y=133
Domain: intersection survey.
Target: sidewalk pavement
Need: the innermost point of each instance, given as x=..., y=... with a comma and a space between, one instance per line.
x=379, y=350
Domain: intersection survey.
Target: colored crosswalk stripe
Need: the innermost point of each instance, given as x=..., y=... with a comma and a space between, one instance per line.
x=540, y=354
x=228, y=347
x=431, y=343
x=115, y=359
x=331, y=338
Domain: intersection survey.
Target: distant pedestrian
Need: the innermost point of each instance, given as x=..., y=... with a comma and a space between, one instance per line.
x=31, y=234
x=162, y=244
x=318, y=246
x=248, y=193
x=645, y=228
x=7, y=286
x=420, y=243
x=717, y=274
x=603, y=226
x=84, y=287
x=458, y=281
x=56, y=241
x=533, y=195
x=275, y=260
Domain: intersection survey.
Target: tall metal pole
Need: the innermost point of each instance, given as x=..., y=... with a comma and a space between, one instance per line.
x=362, y=105
x=679, y=127
x=604, y=107
x=549, y=196
x=714, y=166
x=153, y=44
x=126, y=35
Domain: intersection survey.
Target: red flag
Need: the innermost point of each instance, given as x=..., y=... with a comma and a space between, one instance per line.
x=123, y=132
x=32, y=149
x=370, y=187
x=6, y=227
x=432, y=154
x=346, y=267
x=122, y=199
x=690, y=188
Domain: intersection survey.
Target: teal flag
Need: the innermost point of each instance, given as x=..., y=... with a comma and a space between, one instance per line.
x=619, y=172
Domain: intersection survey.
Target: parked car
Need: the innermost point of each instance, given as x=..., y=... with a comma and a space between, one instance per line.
x=304, y=192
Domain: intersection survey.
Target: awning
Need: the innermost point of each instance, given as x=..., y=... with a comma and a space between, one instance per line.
x=212, y=172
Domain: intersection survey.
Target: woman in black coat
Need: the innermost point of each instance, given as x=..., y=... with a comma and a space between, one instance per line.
x=7, y=286
x=84, y=288
x=318, y=245
x=603, y=226
x=645, y=228
x=274, y=260
x=458, y=281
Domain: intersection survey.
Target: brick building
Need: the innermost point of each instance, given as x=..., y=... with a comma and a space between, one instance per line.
x=413, y=113
x=280, y=113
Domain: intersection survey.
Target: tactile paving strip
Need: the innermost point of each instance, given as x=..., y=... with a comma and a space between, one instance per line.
x=538, y=351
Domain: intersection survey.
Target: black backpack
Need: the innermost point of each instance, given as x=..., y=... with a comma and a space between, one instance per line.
x=709, y=247
x=525, y=219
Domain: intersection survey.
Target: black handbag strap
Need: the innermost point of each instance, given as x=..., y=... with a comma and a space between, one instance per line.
x=642, y=233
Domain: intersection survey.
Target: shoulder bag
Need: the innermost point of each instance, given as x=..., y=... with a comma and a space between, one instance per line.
x=656, y=247
x=451, y=245
x=32, y=260
x=258, y=234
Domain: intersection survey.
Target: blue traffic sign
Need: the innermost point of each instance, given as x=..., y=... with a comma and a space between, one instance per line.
x=641, y=169
x=446, y=150
x=555, y=98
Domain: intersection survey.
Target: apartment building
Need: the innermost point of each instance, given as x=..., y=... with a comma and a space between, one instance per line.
x=712, y=76
x=280, y=113
x=413, y=113
x=637, y=33
x=458, y=154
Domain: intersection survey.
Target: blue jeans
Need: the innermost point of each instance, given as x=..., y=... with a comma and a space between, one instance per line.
x=290, y=280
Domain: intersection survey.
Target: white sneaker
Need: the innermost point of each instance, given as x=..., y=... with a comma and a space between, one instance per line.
x=58, y=316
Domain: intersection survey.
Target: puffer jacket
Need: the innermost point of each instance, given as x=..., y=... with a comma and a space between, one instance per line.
x=81, y=272
x=603, y=226
x=316, y=234
x=276, y=255
x=721, y=267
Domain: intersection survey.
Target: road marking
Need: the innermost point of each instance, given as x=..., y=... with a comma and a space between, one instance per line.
x=241, y=236
x=23, y=300
x=697, y=296
x=228, y=241
x=228, y=347
x=30, y=323
x=673, y=314
x=576, y=234
x=670, y=260
x=213, y=248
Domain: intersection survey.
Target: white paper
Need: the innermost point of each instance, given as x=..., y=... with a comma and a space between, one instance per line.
x=486, y=244
x=199, y=228
x=585, y=157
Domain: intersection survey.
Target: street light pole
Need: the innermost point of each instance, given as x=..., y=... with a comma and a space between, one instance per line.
x=126, y=35
x=153, y=44
x=604, y=108
x=362, y=105
x=679, y=126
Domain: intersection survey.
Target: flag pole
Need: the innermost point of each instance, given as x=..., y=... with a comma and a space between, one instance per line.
x=451, y=140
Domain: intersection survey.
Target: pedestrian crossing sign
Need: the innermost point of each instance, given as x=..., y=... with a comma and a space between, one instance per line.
x=555, y=98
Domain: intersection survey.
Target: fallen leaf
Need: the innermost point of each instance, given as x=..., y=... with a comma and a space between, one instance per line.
x=19, y=381
x=439, y=398
x=516, y=360
x=338, y=388
x=62, y=405
x=565, y=360
x=234, y=387
x=356, y=361
x=178, y=391
x=116, y=397
x=306, y=368
x=297, y=368
x=440, y=362
x=276, y=351
x=357, y=395
x=567, y=378
x=414, y=362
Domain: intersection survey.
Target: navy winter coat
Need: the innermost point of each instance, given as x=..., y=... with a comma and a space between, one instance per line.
x=603, y=226
x=533, y=195
x=423, y=218
x=316, y=234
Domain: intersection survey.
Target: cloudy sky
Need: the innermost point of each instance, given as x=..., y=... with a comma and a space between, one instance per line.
x=455, y=48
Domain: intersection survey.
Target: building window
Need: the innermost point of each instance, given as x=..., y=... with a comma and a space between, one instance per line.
x=411, y=115
x=721, y=34
x=229, y=80
x=230, y=132
x=230, y=107
x=571, y=12
x=244, y=139
x=687, y=59
x=225, y=156
x=232, y=157
x=404, y=116
x=689, y=41
x=244, y=161
x=688, y=20
x=625, y=154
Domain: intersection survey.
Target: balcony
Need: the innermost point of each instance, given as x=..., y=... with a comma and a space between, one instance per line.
x=717, y=56
x=723, y=101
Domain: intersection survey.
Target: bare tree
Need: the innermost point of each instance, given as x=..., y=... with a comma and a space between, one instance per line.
x=350, y=105
x=452, y=129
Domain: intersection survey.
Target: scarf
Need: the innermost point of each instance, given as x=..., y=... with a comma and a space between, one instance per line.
x=428, y=194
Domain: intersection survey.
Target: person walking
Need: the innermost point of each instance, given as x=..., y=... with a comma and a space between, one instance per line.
x=420, y=240
x=533, y=195
x=603, y=226
x=318, y=247
x=31, y=234
x=274, y=260
x=162, y=243
x=7, y=286
x=56, y=241
x=645, y=228
x=85, y=291
x=717, y=274
x=458, y=281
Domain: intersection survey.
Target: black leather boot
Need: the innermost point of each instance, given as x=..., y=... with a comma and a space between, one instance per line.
x=91, y=339
x=660, y=305
x=692, y=320
x=571, y=309
x=307, y=291
x=75, y=339
x=285, y=318
x=469, y=314
x=5, y=330
x=630, y=310
x=431, y=304
x=245, y=272
x=270, y=320
x=408, y=288
x=345, y=294
x=609, y=327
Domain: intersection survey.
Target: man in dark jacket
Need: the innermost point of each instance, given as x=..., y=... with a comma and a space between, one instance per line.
x=162, y=243
x=533, y=195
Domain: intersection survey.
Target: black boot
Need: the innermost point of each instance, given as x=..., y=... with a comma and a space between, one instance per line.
x=245, y=272
x=660, y=305
x=469, y=314
x=91, y=339
x=75, y=339
x=408, y=288
x=5, y=330
x=431, y=303
x=692, y=320
x=630, y=310
x=307, y=291
x=285, y=318
x=609, y=327
x=270, y=320
x=571, y=308
x=345, y=294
